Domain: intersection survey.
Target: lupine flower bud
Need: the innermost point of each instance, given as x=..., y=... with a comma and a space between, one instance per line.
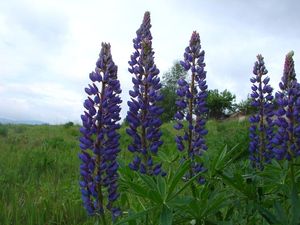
x=287, y=138
x=143, y=114
x=100, y=140
x=192, y=105
x=261, y=129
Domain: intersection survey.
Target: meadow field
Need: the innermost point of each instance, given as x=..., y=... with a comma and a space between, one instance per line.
x=39, y=168
x=191, y=150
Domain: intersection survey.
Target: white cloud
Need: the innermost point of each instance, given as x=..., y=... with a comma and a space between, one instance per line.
x=49, y=102
x=48, y=48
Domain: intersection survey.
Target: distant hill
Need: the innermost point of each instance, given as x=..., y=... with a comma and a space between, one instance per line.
x=29, y=122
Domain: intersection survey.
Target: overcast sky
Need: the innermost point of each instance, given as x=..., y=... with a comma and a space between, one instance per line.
x=48, y=48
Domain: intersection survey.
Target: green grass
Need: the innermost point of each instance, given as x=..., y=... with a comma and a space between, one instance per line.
x=39, y=169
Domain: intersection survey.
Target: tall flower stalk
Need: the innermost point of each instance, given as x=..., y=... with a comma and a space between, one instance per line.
x=100, y=141
x=261, y=129
x=192, y=105
x=143, y=114
x=287, y=138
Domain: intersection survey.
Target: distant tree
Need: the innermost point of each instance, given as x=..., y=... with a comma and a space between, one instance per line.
x=168, y=104
x=220, y=103
x=68, y=124
x=170, y=78
x=245, y=107
x=169, y=82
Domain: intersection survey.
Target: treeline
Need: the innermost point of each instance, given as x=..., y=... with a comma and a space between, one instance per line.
x=221, y=104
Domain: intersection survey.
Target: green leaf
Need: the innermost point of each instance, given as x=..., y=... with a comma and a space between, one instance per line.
x=180, y=201
x=163, y=156
x=295, y=205
x=225, y=158
x=215, y=204
x=270, y=217
x=279, y=210
x=161, y=187
x=124, y=199
x=137, y=189
x=148, y=181
x=177, y=177
x=152, y=188
x=194, y=208
x=135, y=216
x=189, y=182
x=232, y=156
x=143, y=192
x=233, y=183
x=229, y=213
x=220, y=159
x=166, y=216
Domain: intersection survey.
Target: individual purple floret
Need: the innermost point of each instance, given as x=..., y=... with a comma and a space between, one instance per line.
x=100, y=141
x=192, y=105
x=287, y=138
x=261, y=129
x=143, y=114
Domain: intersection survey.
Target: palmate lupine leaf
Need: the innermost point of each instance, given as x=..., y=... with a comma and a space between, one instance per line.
x=161, y=192
x=166, y=216
x=176, y=178
x=136, y=216
x=207, y=206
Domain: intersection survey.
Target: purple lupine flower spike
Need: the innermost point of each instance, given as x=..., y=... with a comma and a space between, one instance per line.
x=100, y=140
x=143, y=114
x=261, y=129
x=192, y=105
x=287, y=138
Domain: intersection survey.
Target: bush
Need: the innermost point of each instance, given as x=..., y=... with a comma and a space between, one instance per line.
x=220, y=103
x=68, y=124
x=245, y=107
x=3, y=130
x=168, y=90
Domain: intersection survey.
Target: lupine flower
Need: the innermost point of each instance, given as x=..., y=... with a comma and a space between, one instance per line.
x=192, y=105
x=261, y=129
x=143, y=114
x=287, y=138
x=100, y=140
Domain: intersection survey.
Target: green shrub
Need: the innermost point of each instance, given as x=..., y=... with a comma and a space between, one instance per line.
x=3, y=130
x=68, y=124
